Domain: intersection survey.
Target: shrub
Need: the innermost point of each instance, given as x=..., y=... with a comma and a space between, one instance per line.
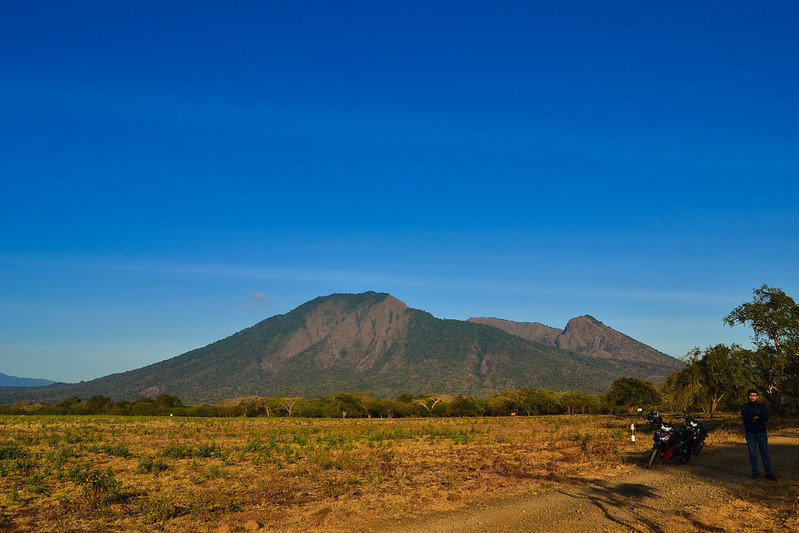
x=117, y=450
x=151, y=465
x=158, y=508
x=177, y=451
x=11, y=450
x=99, y=486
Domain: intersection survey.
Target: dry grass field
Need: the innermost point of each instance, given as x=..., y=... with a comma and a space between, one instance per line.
x=111, y=473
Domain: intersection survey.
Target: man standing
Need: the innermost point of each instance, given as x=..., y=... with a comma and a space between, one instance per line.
x=755, y=416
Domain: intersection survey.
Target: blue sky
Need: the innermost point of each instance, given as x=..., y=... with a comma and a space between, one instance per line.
x=174, y=172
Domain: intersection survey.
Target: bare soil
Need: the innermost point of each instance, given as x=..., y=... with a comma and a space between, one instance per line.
x=714, y=492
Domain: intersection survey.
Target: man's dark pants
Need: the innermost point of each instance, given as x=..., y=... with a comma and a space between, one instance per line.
x=753, y=442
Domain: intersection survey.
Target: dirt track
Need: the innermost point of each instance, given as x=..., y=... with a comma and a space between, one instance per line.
x=667, y=498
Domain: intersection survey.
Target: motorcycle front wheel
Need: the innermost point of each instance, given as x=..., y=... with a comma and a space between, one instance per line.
x=653, y=456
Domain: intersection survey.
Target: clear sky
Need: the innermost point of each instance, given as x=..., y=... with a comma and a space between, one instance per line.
x=173, y=172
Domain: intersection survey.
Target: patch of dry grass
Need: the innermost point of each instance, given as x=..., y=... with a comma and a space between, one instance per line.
x=170, y=474
x=286, y=474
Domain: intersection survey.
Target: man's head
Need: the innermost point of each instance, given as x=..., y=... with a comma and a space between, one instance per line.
x=753, y=395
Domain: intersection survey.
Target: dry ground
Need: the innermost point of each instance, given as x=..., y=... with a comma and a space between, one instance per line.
x=566, y=473
x=714, y=493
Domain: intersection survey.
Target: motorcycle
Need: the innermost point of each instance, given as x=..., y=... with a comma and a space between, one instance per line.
x=700, y=434
x=670, y=444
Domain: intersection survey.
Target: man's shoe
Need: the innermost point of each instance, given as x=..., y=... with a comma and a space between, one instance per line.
x=772, y=477
x=755, y=476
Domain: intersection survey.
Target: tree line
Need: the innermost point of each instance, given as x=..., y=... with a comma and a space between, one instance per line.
x=523, y=402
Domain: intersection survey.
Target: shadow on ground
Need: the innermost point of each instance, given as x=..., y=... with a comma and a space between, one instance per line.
x=648, y=499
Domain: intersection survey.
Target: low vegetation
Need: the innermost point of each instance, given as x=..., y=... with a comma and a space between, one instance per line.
x=63, y=473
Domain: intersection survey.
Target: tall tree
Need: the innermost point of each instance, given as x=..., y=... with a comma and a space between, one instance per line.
x=631, y=392
x=774, y=319
x=351, y=403
x=719, y=371
x=580, y=402
x=683, y=388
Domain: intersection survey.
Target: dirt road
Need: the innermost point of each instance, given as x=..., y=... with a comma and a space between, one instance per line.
x=713, y=493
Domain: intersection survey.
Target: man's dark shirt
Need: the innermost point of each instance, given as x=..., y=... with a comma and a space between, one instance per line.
x=749, y=411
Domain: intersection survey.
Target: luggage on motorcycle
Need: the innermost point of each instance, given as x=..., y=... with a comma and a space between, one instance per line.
x=678, y=437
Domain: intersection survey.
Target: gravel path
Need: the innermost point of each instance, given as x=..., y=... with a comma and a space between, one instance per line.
x=650, y=500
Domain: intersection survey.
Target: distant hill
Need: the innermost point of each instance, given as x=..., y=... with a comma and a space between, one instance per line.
x=14, y=381
x=587, y=335
x=371, y=343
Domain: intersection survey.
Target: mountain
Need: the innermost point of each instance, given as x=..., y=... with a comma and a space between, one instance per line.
x=369, y=342
x=14, y=381
x=587, y=335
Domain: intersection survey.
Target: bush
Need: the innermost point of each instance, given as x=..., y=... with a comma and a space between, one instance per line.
x=99, y=486
x=151, y=465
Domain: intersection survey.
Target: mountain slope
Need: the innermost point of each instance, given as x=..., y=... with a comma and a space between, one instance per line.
x=587, y=335
x=370, y=342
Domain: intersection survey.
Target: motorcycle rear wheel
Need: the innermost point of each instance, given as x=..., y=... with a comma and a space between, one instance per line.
x=698, y=449
x=652, y=457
